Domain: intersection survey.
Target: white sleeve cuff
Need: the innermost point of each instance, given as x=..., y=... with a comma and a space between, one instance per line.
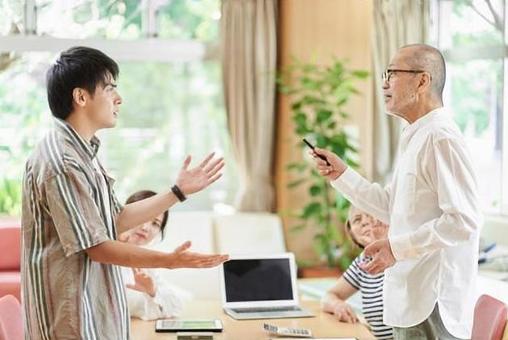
x=347, y=182
x=402, y=247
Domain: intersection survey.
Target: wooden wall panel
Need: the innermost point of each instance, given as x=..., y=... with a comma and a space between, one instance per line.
x=318, y=30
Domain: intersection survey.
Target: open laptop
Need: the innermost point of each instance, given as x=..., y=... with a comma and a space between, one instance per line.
x=261, y=287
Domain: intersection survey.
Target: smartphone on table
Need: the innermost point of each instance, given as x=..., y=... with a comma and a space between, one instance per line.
x=188, y=326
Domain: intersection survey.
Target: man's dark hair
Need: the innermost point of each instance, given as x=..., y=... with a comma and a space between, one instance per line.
x=78, y=67
x=141, y=195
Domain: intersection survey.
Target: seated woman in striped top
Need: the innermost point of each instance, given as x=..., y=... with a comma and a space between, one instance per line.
x=363, y=229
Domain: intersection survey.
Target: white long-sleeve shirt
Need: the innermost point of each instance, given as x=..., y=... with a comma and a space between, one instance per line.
x=166, y=303
x=434, y=215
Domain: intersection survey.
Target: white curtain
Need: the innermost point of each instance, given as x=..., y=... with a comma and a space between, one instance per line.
x=249, y=55
x=396, y=23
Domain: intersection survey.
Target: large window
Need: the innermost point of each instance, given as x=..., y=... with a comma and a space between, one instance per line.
x=472, y=36
x=172, y=101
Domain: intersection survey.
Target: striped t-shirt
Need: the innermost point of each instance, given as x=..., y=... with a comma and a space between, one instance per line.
x=69, y=206
x=371, y=288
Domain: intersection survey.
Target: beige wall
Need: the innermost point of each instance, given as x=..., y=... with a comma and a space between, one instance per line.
x=318, y=30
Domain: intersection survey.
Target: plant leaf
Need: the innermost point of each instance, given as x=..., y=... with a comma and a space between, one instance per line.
x=298, y=228
x=361, y=74
x=300, y=118
x=315, y=190
x=311, y=209
x=323, y=115
x=298, y=167
x=296, y=183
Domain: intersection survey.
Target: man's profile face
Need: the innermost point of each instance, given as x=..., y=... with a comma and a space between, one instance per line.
x=400, y=89
x=104, y=106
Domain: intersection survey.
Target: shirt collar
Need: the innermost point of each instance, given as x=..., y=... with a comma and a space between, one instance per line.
x=434, y=115
x=90, y=148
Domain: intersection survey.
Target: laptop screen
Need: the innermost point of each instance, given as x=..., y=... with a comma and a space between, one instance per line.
x=258, y=280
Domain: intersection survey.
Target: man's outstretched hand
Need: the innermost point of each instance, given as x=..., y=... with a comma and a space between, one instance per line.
x=183, y=258
x=196, y=179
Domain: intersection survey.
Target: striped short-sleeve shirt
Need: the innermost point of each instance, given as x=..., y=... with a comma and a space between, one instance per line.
x=371, y=288
x=69, y=206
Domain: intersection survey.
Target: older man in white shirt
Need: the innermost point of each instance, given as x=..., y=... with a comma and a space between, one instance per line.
x=431, y=204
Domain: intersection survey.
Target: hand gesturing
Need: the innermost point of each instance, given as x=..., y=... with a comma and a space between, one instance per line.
x=382, y=257
x=143, y=282
x=196, y=179
x=183, y=258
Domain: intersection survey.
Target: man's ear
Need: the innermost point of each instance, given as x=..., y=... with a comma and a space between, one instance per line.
x=79, y=96
x=425, y=81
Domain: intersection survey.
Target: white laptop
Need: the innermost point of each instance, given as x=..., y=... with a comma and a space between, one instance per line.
x=261, y=287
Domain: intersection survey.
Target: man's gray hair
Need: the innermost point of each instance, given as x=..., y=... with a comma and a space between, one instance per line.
x=430, y=59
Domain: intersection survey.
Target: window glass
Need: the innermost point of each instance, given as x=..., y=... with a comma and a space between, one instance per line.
x=471, y=36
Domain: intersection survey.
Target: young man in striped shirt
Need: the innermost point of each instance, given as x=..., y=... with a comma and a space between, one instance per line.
x=71, y=285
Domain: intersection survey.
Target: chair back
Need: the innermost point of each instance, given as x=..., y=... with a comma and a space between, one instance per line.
x=489, y=319
x=10, y=238
x=249, y=233
x=11, y=324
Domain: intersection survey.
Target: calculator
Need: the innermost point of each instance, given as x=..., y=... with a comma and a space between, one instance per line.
x=285, y=331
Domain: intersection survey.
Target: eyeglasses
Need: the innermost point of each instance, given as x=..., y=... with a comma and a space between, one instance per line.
x=387, y=74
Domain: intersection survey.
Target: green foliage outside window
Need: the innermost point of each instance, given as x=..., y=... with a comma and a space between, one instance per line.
x=169, y=109
x=476, y=83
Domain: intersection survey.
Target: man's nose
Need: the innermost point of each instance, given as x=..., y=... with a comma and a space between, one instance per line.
x=366, y=230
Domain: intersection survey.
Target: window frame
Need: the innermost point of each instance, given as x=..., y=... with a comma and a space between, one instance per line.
x=148, y=49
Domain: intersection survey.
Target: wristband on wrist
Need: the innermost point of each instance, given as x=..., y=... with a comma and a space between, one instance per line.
x=178, y=193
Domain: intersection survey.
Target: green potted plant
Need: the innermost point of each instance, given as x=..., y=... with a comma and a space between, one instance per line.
x=318, y=95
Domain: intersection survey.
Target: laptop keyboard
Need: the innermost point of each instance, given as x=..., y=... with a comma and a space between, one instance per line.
x=266, y=309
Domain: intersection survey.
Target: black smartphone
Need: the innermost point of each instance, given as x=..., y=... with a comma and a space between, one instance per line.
x=312, y=147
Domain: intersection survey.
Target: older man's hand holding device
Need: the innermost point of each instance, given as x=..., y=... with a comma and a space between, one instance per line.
x=329, y=164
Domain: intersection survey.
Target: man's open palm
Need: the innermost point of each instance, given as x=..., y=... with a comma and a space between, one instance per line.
x=191, y=180
x=183, y=258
